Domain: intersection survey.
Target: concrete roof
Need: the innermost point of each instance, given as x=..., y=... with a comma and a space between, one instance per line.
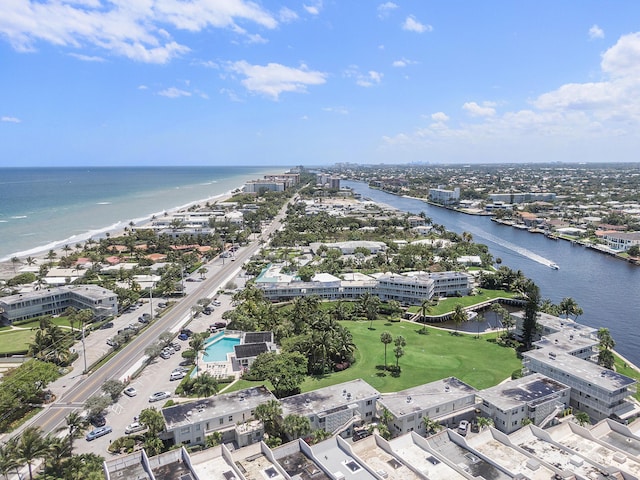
x=527, y=389
x=425, y=396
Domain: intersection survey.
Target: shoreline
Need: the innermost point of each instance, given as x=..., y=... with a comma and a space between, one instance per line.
x=8, y=270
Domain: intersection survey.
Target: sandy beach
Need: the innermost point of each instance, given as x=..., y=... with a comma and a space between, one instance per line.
x=9, y=269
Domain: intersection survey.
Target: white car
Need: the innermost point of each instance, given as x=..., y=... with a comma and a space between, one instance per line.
x=463, y=427
x=130, y=392
x=177, y=375
x=134, y=427
x=159, y=396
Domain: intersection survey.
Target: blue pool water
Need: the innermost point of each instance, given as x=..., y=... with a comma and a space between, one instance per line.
x=217, y=349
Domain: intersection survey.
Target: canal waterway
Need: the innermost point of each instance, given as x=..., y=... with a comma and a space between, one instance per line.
x=607, y=289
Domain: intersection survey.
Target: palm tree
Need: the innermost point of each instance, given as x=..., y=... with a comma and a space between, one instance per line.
x=154, y=421
x=197, y=344
x=268, y=413
x=8, y=457
x=605, y=354
x=386, y=339
x=425, y=307
x=479, y=321
x=30, y=261
x=30, y=447
x=484, y=422
x=296, y=426
x=568, y=306
x=430, y=426
x=75, y=424
x=386, y=416
x=205, y=385
x=15, y=261
x=582, y=418
x=459, y=316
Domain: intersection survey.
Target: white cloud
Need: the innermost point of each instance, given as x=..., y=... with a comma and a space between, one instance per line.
x=142, y=87
x=596, y=32
x=590, y=121
x=86, y=58
x=10, y=120
x=136, y=30
x=413, y=25
x=484, y=110
x=384, y=9
x=440, y=117
x=173, y=92
x=338, y=110
x=273, y=79
x=403, y=62
x=368, y=79
x=372, y=78
x=286, y=15
x=313, y=9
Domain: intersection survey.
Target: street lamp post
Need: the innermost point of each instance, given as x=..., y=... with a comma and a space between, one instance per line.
x=84, y=351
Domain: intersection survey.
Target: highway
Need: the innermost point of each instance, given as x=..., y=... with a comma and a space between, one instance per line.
x=53, y=417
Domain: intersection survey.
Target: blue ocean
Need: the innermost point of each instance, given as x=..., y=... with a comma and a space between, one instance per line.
x=45, y=208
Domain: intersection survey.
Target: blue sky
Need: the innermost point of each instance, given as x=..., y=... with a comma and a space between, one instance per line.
x=233, y=82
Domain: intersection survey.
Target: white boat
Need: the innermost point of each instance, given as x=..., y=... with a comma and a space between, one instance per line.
x=554, y=266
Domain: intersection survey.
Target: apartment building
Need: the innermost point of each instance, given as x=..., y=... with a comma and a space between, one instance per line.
x=336, y=408
x=231, y=414
x=54, y=301
x=444, y=197
x=444, y=401
x=595, y=390
x=535, y=398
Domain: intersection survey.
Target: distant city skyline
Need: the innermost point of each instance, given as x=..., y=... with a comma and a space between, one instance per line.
x=318, y=82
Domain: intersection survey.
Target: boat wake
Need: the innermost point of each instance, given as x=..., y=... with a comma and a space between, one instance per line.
x=511, y=246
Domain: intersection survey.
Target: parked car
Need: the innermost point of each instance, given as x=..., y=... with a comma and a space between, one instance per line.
x=106, y=325
x=180, y=369
x=143, y=320
x=98, y=420
x=134, y=427
x=177, y=375
x=188, y=332
x=176, y=346
x=463, y=427
x=159, y=396
x=162, y=305
x=111, y=342
x=216, y=303
x=130, y=392
x=165, y=354
x=98, y=432
x=183, y=336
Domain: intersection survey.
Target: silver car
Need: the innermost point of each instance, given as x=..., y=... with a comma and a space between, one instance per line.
x=156, y=397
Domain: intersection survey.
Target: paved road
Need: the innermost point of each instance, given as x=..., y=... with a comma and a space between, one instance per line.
x=76, y=389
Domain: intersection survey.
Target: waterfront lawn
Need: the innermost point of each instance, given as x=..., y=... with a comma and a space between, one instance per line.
x=449, y=304
x=439, y=354
x=623, y=367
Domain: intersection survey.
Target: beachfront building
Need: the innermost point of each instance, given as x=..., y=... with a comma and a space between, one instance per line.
x=444, y=401
x=534, y=398
x=231, y=414
x=336, y=408
x=54, y=301
x=257, y=186
x=443, y=196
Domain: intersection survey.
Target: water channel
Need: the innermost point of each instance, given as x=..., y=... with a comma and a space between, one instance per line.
x=607, y=289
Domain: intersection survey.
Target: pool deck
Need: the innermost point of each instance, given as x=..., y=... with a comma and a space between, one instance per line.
x=225, y=368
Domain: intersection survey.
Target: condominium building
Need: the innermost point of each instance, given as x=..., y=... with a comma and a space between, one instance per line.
x=444, y=197
x=231, y=414
x=533, y=398
x=54, y=301
x=335, y=408
x=411, y=288
x=600, y=392
x=444, y=401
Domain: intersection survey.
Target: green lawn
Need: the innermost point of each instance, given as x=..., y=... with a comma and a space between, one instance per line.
x=449, y=304
x=15, y=341
x=439, y=354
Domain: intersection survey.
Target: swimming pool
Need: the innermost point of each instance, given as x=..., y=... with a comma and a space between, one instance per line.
x=216, y=350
